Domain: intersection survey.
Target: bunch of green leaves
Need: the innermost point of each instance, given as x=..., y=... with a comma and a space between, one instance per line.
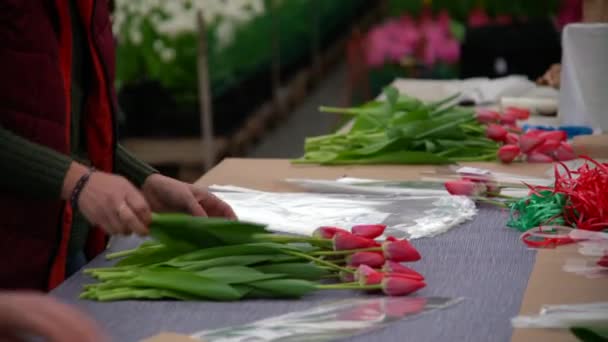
x=403, y=130
x=193, y=258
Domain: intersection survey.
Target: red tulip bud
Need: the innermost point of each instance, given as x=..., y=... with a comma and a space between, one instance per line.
x=554, y=135
x=328, y=232
x=547, y=147
x=530, y=141
x=496, y=132
x=512, y=139
x=536, y=157
x=487, y=116
x=508, y=153
x=465, y=187
x=565, y=152
x=391, y=238
x=370, y=231
x=397, y=268
x=400, y=251
x=371, y=259
x=368, y=276
x=519, y=113
x=398, y=286
x=603, y=261
x=508, y=118
x=345, y=241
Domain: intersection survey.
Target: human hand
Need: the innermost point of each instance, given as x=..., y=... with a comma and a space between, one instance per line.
x=32, y=314
x=166, y=194
x=110, y=202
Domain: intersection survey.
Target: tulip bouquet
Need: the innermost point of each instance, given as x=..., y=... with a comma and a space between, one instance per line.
x=534, y=146
x=194, y=258
x=403, y=130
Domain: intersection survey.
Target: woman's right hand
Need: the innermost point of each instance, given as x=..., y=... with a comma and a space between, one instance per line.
x=109, y=201
x=33, y=314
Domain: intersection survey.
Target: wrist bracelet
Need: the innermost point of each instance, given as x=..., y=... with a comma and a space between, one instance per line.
x=84, y=179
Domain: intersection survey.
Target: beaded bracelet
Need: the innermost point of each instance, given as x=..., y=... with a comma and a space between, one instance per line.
x=84, y=179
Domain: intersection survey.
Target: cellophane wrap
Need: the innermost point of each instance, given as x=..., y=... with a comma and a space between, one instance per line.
x=301, y=213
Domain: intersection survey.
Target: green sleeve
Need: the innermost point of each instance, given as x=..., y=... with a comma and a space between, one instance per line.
x=30, y=169
x=134, y=169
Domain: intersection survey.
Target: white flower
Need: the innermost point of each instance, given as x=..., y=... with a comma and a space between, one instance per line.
x=167, y=55
x=179, y=17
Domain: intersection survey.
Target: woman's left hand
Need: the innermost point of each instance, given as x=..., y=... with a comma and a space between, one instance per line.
x=166, y=194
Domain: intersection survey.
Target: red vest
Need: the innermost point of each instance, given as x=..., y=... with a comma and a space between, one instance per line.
x=35, y=67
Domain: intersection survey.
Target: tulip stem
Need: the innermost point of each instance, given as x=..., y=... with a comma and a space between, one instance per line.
x=292, y=239
x=319, y=261
x=499, y=195
x=348, y=251
x=489, y=201
x=348, y=286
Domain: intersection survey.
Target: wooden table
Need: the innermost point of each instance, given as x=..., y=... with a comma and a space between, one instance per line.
x=548, y=283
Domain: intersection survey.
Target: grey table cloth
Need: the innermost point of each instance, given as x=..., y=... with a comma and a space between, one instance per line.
x=480, y=260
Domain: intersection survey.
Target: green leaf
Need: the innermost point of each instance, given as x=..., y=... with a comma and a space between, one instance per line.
x=185, y=231
x=397, y=157
x=392, y=95
x=231, y=250
x=149, y=256
x=432, y=129
x=448, y=129
x=237, y=274
x=232, y=260
x=285, y=287
x=402, y=118
x=457, y=29
x=297, y=270
x=375, y=148
x=365, y=122
x=430, y=146
x=436, y=104
x=185, y=282
x=588, y=334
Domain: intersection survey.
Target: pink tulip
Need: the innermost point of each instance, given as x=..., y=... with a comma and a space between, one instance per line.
x=370, y=231
x=508, y=153
x=395, y=267
x=328, y=232
x=371, y=259
x=496, y=132
x=400, y=251
x=487, y=116
x=366, y=275
x=519, y=113
x=512, y=139
x=508, y=118
x=398, y=286
x=554, y=135
x=565, y=152
x=529, y=142
x=348, y=241
x=465, y=187
x=478, y=18
x=536, y=157
x=547, y=147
